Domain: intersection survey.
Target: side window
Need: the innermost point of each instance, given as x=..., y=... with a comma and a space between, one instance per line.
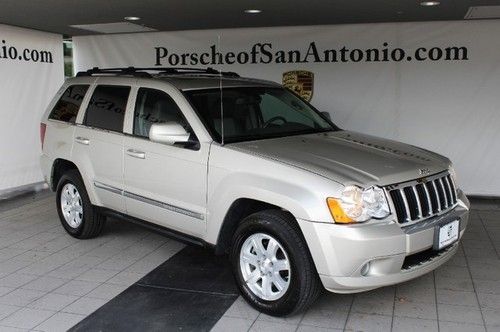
x=107, y=106
x=68, y=105
x=155, y=106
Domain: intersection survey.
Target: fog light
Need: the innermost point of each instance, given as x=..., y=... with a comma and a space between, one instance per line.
x=365, y=269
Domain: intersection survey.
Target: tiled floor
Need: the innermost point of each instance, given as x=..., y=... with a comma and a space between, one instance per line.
x=50, y=281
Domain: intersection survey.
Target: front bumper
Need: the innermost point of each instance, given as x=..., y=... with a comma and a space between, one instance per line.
x=341, y=251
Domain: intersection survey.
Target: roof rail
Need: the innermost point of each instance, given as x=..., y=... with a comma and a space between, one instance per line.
x=143, y=72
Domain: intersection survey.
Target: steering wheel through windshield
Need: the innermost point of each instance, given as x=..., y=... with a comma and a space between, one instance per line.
x=271, y=120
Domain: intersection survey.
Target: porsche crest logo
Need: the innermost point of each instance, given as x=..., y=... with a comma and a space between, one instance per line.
x=299, y=81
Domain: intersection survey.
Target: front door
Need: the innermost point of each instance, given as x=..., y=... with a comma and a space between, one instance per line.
x=164, y=184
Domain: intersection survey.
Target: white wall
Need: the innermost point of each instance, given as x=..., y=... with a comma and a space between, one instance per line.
x=26, y=87
x=452, y=107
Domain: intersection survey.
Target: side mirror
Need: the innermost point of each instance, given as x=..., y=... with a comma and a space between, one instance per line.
x=327, y=115
x=168, y=133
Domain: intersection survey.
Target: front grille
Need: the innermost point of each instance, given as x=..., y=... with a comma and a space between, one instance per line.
x=423, y=199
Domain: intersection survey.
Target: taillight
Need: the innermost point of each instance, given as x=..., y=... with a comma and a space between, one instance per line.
x=43, y=128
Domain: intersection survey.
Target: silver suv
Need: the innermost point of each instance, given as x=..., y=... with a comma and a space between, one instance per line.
x=248, y=168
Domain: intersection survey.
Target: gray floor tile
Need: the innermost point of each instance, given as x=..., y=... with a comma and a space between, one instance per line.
x=126, y=278
x=450, y=271
x=368, y=323
x=325, y=319
x=231, y=324
x=16, y=280
x=491, y=301
x=84, y=306
x=6, y=310
x=487, y=286
x=491, y=318
x=106, y=291
x=45, y=284
x=21, y=297
x=60, y=322
x=77, y=287
x=405, y=324
x=307, y=328
x=379, y=301
x=266, y=326
x=53, y=301
x=5, y=290
x=290, y=320
x=460, y=327
x=456, y=297
x=415, y=310
x=98, y=275
x=241, y=309
x=26, y=318
x=460, y=314
x=454, y=284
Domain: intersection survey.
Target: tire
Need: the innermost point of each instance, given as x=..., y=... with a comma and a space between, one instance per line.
x=79, y=217
x=300, y=284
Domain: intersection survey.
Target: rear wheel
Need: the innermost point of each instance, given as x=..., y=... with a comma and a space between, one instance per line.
x=77, y=214
x=272, y=264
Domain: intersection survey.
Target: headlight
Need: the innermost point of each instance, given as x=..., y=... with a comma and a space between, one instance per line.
x=358, y=205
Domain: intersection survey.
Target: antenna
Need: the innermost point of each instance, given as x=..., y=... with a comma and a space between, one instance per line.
x=221, y=102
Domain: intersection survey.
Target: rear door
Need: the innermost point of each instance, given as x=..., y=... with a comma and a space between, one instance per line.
x=98, y=146
x=164, y=184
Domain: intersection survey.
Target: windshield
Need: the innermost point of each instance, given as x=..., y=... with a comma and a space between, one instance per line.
x=252, y=113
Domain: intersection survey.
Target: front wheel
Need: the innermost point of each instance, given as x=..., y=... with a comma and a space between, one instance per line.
x=272, y=264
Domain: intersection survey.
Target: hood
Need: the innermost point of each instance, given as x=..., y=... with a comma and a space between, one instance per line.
x=350, y=158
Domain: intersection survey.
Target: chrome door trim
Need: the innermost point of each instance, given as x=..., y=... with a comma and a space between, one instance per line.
x=150, y=201
x=112, y=189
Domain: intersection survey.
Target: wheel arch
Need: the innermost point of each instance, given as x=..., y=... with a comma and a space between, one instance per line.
x=240, y=209
x=59, y=167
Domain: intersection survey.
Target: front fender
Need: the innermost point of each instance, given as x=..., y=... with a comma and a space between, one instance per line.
x=303, y=199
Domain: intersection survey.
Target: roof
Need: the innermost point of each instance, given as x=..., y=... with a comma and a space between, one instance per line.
x=193, y=82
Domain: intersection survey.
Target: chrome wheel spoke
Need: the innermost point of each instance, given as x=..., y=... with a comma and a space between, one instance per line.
x=266, y=285
x=253, y=277
x=281, y=265
x=250, y=259
x=272, y=248
x=279, y=282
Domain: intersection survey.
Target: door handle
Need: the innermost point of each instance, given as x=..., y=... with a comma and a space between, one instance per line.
x=136, y=154
x=82, y=140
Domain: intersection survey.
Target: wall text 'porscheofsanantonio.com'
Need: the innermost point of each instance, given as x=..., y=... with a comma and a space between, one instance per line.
x=10, y=52
x=265, y=53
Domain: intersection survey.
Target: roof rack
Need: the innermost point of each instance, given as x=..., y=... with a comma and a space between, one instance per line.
x=144, y=72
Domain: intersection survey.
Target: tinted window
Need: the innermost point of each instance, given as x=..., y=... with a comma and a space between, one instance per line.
x=107, y=106
x=155, y=106
x=68, y=105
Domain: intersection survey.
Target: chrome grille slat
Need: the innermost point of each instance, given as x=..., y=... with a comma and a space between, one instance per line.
x=442, y=193
x=437, y=196
x=405, y=202
x=448, y=190
x=424, y=198
x=419, y=206
x=428, y=199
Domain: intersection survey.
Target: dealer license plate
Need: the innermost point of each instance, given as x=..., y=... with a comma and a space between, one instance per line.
x=446, y=234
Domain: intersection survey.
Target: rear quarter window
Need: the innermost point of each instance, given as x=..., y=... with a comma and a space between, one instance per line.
x=67, y=106
x=106, y=109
